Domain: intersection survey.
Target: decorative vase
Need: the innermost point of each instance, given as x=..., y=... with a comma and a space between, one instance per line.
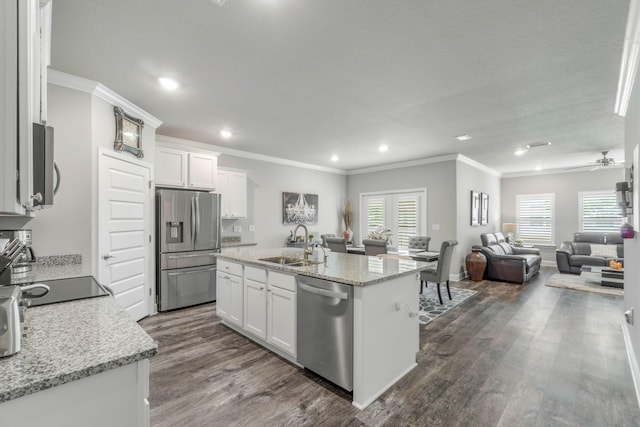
x=476, y=263
x=348, y=234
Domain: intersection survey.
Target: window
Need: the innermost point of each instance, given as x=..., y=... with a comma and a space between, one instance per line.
x=403, y=212
x=599, y=211
x=535, y=214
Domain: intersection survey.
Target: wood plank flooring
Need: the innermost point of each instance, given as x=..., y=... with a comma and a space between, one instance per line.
x=510, y=356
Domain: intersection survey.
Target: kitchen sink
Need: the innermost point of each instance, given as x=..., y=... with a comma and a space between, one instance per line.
x=293, y=262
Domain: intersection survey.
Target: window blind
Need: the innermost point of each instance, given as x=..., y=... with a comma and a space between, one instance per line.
x=375, y=213
x=407, y=213
x=535, y=218
x=599, y=211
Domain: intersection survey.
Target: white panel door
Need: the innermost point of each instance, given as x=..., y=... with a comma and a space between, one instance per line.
x=124, y=221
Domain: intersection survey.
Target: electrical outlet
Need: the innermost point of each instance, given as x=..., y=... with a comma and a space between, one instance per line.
x=629, y=316
x=252, y=228
x=435, y=227
x=237, y=229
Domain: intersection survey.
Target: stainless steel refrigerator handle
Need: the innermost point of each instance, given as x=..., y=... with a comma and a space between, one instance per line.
x=190, y=272
x=188, y=256
x=193, y=221
x=323, y=292
x=197, y=216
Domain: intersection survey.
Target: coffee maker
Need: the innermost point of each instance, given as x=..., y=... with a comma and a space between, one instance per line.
x=27, y=258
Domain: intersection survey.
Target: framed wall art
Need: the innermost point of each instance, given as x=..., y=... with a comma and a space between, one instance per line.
x=484, y=208
x=299, y=208
x=475, y=208
x=128, y=133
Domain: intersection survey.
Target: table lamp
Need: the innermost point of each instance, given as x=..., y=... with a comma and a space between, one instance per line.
x=509, y=228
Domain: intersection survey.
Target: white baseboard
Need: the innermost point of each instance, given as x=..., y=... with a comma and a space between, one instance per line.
x=458, y=277
x=633, y=362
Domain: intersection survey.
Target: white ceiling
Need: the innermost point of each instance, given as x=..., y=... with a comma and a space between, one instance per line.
x=303, y=80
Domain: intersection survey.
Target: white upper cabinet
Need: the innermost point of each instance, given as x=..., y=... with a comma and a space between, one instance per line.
x=232, y=184
x=186, y=169
x=202, y=171
x=171, y=168
x=24, y=41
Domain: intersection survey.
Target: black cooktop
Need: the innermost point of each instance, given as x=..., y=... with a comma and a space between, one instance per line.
x=62, y=290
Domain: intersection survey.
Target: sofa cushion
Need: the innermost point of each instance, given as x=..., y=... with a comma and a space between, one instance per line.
x=506, y=248
x=589, y=237
x=607, y=251
x=581, y=248
x=496, y=249
x=532, y=260
x=580, y=260
x=488, y=239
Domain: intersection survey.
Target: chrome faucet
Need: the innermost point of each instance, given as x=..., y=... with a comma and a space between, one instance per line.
x=307, y=250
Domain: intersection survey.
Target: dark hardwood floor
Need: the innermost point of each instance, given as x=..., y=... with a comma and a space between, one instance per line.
x=509, y=356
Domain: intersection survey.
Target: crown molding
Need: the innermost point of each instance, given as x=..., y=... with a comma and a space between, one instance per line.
x=94, y=88
x=172, y=142
x=630, y=58
x=401, y=165
x=557, y=171
x=466, y=160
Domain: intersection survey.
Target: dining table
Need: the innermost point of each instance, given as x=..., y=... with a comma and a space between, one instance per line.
x=417, y=255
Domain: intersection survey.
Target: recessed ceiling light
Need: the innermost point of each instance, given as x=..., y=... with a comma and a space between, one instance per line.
x=334, y=158
x=168, y=84
x=383, y=148
x=538, y=168
x=464, y=137
x=520, y=151
x=226, y=134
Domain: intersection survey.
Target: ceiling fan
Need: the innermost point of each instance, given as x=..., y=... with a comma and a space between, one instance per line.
x=597, y=164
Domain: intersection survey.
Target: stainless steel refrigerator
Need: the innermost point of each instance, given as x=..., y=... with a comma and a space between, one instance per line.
x=187, y=239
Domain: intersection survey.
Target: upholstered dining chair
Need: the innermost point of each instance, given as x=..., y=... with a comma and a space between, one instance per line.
x=324, y=238
x=337, y=244
x=441, y=273
x=373, y=247
x=419, y=243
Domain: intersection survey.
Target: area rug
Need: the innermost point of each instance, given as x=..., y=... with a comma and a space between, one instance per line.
x=574, y=281
x=430, y=307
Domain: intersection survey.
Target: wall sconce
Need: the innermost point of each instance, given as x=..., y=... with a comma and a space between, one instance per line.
x=510, y=229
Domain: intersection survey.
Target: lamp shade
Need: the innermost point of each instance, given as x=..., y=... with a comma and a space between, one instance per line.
x=510, y=228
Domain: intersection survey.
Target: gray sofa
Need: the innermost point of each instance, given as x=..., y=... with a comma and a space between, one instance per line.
x=508, y=263
x=573, y=255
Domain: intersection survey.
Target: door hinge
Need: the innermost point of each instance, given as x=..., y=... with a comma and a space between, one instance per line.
x=150, y=184
x=149, y=291
x=149, y=237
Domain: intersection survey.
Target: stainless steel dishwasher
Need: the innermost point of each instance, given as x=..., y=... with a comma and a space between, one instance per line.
x=325, y=329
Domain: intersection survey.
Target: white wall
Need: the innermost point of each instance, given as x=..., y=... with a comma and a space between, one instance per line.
x=470, y=178
x=65, y=228
x=266, y=181
x=632, y=246
x=566, y=187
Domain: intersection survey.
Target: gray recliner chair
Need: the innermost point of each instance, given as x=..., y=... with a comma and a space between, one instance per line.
x=508, y=263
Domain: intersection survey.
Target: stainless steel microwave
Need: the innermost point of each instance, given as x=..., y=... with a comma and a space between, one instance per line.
x=43, y=166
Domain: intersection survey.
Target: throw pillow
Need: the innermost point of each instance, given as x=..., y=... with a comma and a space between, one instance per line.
x=606, y=251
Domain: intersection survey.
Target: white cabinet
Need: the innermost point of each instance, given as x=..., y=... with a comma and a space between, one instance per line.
x=24, y=40
x=281, y=312
x=232, y=184
x=202, y=171
x=171, y=168
x=255, y=310
x=229, y=292
x=185, y=169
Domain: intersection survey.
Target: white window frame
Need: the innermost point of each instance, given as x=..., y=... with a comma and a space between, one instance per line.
x=581, y=196
x=391, y=220
x=546, y=196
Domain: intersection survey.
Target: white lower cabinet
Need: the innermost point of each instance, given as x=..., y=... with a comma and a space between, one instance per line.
x=269, y=308
x=255, y=304
x=230, y=293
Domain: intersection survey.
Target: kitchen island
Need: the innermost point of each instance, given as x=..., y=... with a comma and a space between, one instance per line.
x=385, y=309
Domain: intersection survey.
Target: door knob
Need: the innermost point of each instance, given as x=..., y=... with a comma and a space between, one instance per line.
x=107, y=256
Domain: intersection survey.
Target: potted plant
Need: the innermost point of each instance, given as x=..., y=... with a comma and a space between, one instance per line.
x=346, y=216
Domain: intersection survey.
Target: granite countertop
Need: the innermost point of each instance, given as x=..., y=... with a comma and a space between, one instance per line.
x=69, y=341
x=54, y=267
x=355, y=270
x=236, y=244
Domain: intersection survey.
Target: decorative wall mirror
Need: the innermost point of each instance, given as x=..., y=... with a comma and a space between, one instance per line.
x=128, y=133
